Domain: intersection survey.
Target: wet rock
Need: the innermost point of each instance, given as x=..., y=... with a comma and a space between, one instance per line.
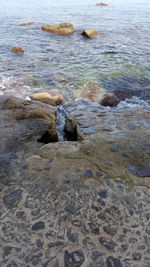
x=115, y=148
x=39, y=243
x=113, y=262
x=26, y=24
x=62, y=29
x=139, y=171
x=89, y=33
x=103, y=193
x=102, y=4
x=91, y=91
x=110, y=100
x=109, y=229
x=21, y=214
x=12, y=199
x=88, y=173
x=109, y=244
x=53, y=99
x=24, y=122
x=56, y=244
x=73, y=259
x=136, y=256
x=123, y=94
x=38, y=226
x=17, y=49
x=96, y=255
x=72, y=236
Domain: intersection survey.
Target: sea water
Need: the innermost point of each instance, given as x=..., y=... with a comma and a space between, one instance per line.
x=119, y=58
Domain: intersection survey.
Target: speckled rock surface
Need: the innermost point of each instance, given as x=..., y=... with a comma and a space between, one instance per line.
x=83, y=203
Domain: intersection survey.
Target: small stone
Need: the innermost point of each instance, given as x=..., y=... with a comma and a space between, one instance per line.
x=53, y=99
x=124, y=246
x=56, y=244
x=95, y=208
x=73, y=259
x=115, y=148
x=38, y=226
x=139, y=171
x=101, y=202
x=133, y=240
x=89, y=33
x=103, y=193
x=17, y=49
x=88, y=173
x=111, y=230
x=72, y=236
x=20, y=214
x=110, y=100
x=137, y=256
x=99, y=174
x=109, y=244
x=95, y=230
x=113, y=262
x=131, y=127
x=102, y=4
x=12, y=199
x=39, y=243
x=35, y=212
x=96, y=255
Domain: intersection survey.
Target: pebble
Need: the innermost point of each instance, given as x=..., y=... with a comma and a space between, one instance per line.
x=115, y=148
x=139, y=171
x=73, y=259
x=113, y=262
x=38, y=226
x=103, y=193
x=137, y=256
x=88, y=173
x=109, y=244
x=111, y=230
x=12, y=199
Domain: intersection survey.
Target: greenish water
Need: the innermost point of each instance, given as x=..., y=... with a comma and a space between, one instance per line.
x=118, y=58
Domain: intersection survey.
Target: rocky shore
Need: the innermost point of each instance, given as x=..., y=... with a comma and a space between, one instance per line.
x=81, y=202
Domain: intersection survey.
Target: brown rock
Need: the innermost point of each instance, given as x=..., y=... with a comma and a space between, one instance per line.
x=32, y=110
x=110, y=100
x=26, y=24
x=123, y=94
x=89, y=33
x=63, y=28
x=102, y=4
x=92, y=91
x=49, y=98
x=17, y=49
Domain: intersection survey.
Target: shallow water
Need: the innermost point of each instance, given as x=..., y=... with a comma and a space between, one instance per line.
x=118, y=58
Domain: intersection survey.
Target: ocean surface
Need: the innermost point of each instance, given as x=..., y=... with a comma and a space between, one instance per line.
x=119, y=58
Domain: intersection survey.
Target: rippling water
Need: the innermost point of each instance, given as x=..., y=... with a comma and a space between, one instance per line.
x=118, y=58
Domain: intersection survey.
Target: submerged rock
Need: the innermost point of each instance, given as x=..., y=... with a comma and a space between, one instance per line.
x=110, y=100
x=91, y=91
x=123, y=94
x=26, y=24
x=53, y=99
x=62, y=28
x=17, y=49
x=89, y=33
x=102, y=4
